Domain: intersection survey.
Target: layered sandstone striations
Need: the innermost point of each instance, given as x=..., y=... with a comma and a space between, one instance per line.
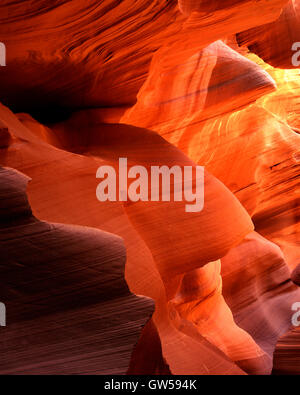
x=69, y=307
x=160, y=83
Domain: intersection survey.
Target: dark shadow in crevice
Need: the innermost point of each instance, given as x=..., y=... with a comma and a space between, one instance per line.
x=51, y=115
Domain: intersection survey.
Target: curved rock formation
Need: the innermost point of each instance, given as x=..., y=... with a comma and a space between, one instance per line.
x=145, y=277
x=258, y=289
x=87, y=321
x=286, y=357
x=161, y=83
x=82, y=54
x=274, y=42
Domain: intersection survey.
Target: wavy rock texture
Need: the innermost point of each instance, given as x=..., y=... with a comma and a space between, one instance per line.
x=87, y=321
x=286, y=356
x=252, y=272
x=146, y=276
x=81, y=53
x=212, y=136
x=159, y=83
x=273, y=42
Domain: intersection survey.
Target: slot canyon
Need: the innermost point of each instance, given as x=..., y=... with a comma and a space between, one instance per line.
x=145, y=287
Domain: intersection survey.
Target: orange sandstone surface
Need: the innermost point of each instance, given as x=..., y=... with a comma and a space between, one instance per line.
x=146, y=287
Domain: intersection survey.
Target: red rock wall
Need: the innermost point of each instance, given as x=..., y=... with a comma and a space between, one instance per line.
x=146, y=287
